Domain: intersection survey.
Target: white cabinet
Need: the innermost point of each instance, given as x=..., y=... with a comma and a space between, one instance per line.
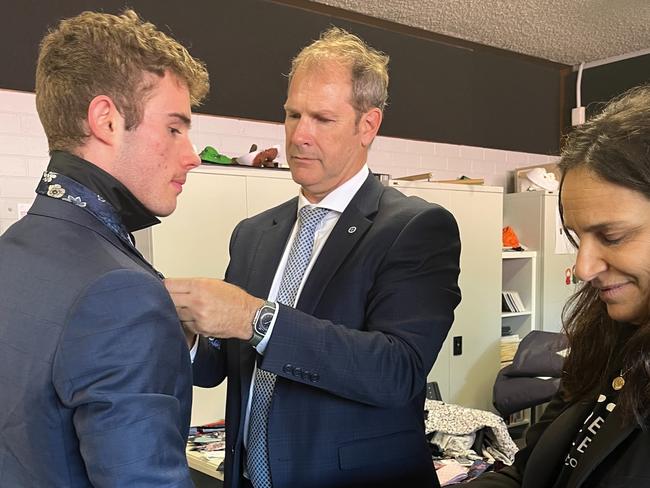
x=194, y=240
x=519, y=274
x=467, y=378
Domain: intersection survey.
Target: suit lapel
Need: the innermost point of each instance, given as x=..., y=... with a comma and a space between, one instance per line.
x=353, y=223
x=268, y=252
x=611, y=434
x=264, y=263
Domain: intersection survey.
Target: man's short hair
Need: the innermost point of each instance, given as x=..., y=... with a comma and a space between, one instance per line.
x=368, y=66
x=102, y=54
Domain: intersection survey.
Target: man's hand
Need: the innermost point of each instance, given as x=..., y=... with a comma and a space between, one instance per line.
x=213, y=307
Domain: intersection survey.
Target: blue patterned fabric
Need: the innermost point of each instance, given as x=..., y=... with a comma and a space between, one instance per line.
x=56, y=185
x=299, y=257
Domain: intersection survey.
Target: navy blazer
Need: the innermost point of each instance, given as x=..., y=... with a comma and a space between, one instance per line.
x=95, y=378
x=352, y=358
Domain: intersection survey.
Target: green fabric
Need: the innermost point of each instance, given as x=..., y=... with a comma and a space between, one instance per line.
x=211, y=155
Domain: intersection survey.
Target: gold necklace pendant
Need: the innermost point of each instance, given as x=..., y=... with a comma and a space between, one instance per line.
x=618, y=383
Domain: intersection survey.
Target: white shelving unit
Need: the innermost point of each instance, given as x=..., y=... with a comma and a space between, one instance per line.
x=519, y=273
x=534, y=217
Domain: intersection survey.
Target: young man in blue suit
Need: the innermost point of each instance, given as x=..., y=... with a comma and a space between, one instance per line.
x=335, y=303
x=95, y=379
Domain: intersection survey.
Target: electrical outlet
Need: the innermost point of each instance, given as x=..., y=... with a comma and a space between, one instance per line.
x=458, y=345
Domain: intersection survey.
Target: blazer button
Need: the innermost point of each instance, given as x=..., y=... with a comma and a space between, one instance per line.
x=297, y=371
x=287, y=368
x=314, y=377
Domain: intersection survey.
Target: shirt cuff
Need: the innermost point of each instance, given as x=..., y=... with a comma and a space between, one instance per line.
x=195, y=348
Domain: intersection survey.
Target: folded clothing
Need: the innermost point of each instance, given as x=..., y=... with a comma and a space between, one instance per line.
x=457, y=420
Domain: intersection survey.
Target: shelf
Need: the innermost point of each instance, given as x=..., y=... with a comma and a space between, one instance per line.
x=518, y=275
x=518, y=254
x=505, y=315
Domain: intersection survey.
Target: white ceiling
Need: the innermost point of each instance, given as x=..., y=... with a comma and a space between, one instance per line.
x=565, y=31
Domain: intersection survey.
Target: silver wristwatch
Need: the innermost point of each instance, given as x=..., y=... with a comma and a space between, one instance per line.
x=262, y=321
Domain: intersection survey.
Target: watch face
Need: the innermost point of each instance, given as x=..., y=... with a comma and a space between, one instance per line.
x=266, y=316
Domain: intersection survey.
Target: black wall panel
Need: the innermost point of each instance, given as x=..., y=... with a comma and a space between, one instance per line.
x=452, y=92
x=602, y=83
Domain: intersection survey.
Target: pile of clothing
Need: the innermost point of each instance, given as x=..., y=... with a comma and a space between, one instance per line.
x=474, y=439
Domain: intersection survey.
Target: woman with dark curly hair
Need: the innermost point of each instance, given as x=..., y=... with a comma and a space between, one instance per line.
x=594, y=433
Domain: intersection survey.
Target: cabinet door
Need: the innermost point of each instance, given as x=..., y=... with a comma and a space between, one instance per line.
x=440, y=372
x=478, y=319
x=193, y=241
x=467, y=379
x=264, y=192
x=557, y=281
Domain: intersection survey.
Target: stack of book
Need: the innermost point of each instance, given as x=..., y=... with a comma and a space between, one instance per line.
x=509, y=345
x=511, y=302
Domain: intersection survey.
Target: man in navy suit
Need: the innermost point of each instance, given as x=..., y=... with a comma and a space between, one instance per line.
x=327, y=371
x=95, y=379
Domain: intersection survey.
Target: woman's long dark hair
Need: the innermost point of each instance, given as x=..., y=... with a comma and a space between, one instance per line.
x=615, y=145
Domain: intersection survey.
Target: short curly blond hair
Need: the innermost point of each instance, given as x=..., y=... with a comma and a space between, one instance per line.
x=102, y=54
x=368, y=66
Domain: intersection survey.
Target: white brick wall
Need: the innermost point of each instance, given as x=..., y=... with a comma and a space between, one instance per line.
x=23, y=152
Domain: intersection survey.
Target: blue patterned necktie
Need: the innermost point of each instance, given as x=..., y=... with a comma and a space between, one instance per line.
x=299, y=257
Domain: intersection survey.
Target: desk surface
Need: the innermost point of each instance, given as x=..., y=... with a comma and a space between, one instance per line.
x=199, y=462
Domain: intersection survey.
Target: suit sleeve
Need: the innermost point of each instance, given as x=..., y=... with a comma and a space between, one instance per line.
x=405, y=315
x=122, y=368
x=511, y=476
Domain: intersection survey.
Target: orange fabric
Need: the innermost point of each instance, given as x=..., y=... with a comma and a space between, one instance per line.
x=509, y=237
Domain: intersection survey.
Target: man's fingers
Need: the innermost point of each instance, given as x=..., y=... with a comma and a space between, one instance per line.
x=189, y=326
x=184, y=314
x=178, y=285
x=181, y=300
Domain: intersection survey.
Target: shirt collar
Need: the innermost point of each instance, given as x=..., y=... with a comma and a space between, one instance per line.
x=133, y=213
x=339, y=198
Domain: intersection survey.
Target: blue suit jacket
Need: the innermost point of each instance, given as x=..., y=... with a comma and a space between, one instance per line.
x=353, y=357
x=95, y=379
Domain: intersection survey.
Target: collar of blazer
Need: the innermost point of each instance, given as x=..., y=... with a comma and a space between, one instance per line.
x=56, y=209
x=546, y=460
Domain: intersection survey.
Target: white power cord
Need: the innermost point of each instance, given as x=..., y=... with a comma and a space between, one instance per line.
x=578, y=113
